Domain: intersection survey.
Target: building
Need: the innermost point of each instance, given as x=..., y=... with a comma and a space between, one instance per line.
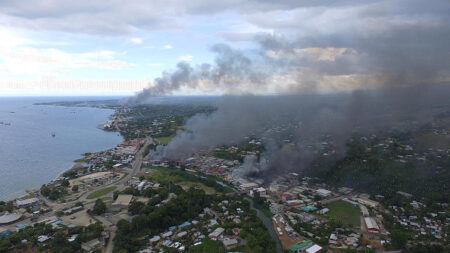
x=371, y=224
x=299, y=247
x=26, y=202
x=167, y=234
x=368, y=202
x=364, y=210
x=4, y=232
x=314, y=249
x=287, y=197
x=230, y=243
x=309, y=208
x=404, y=194
x=216, y=233
x=8, y=218
x=91, y=245
x=323, y=193
x=155, y=238
x=122, y=201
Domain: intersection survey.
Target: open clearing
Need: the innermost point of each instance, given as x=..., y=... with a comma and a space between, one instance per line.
x=78, y=219
x=101, y=192
x=164, y=140
x=185, y=180
x=344, y=213
x=79, y=180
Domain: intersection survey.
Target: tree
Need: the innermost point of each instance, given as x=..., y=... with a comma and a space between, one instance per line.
x=99, y=207
x=45, y=190
x=399, y=238
x=9, y=206
x=75, y=188
x=65, y=183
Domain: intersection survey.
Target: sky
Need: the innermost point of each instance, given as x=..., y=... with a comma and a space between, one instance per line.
x=60, y=47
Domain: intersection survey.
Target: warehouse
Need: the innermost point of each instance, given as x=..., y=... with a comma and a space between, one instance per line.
x=371, y=224
x=9, y=218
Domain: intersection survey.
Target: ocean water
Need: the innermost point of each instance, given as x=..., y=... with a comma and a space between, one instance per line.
x=30, y=156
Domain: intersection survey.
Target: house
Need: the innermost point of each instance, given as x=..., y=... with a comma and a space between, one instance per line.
x=122, y=201
x=323, y=193
x=117, y=166
x=371, y=224
x=404, y=194
x=314, y=249
x=299, y=247
x=91, y=245
x=216, y=233
x=4, y=232
x=167, y=234
x=26, y=202
x=324, y=211
x=155, y=238
x=309, y=208
x=43, y=238
x=286, y=197
x=230, y=243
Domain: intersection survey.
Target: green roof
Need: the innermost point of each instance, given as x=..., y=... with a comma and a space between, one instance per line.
x=299, y=246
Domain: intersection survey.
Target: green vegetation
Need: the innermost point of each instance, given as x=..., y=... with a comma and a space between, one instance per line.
x=387, y=164
x=344, y=213
x=99, y=207
x=101, y=192
x=165, y=140
x=6, y=206
x=180, y=177
x=53, y=192
x=207, y=246
x=157, y=120
x=26, y=239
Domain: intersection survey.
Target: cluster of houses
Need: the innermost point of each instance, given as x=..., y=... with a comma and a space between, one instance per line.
x=208, y=221
x=415, y=219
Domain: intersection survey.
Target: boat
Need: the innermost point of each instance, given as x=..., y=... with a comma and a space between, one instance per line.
x=53, y=134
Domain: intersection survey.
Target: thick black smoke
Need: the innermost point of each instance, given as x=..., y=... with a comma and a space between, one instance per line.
x=377, y=76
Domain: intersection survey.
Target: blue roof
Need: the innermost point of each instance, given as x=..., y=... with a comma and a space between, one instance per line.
x=187, y=223
x=5, y=233
x=172, y=227
x=56, y=223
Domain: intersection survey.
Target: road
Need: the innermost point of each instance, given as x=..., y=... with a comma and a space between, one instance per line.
x=121, y=184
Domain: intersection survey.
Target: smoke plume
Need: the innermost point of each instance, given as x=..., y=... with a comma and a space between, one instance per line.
x=299, y=95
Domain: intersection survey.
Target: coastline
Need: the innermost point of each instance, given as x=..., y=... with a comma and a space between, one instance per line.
x=28, y=191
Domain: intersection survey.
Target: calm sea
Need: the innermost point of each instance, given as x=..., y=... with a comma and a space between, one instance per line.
x=30, y=156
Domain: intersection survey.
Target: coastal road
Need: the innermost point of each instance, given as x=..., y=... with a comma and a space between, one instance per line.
x=135, y=168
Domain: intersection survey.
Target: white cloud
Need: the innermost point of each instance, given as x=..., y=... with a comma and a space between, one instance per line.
x=136, y=40
x=19, y=57
x=186, y=57
x=167, y=47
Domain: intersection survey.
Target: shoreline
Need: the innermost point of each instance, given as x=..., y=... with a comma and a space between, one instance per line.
x=29, y=191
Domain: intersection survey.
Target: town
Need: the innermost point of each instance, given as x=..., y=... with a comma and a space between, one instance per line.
x=126, y=200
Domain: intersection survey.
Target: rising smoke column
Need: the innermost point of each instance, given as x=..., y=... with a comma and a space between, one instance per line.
x=382, y=77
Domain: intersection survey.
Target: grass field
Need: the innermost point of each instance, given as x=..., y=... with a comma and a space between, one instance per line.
x=344, y=213
x=182, y=178
x=101, y=192
x=164, y=140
